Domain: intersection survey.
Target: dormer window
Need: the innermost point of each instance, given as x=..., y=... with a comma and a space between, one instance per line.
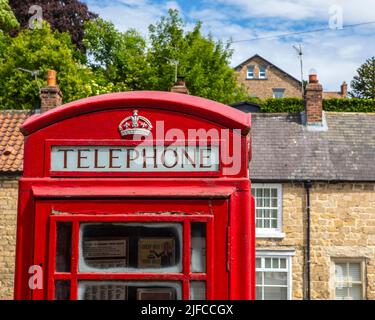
x=262, y=73
x=250, y=72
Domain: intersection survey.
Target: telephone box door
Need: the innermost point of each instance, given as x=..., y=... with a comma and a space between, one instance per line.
x=132, y=249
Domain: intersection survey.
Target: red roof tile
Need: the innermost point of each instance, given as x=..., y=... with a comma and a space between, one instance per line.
x=11, y=140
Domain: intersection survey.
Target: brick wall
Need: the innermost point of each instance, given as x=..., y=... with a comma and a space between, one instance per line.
x=314, y=103
x=275, y=79
x=342, y=226
x=8, y=215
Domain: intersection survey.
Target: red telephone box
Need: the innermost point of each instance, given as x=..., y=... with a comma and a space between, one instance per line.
x=141, y=195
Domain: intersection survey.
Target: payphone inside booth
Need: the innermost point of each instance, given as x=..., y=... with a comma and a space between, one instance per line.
x=136, y=196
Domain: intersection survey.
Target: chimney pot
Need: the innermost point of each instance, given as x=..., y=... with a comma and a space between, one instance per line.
x=51, y=78
x=50, y=96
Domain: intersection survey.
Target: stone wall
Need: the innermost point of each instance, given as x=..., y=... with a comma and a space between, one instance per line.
x=8, y=217
x=262, y=88
x=342, y=226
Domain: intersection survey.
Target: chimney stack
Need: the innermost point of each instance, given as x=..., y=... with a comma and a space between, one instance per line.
x=180, y=86
x=314, y=100
x=344, y=90
x=50, y=96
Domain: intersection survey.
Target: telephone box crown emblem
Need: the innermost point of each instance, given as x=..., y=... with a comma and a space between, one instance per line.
x=135, y=124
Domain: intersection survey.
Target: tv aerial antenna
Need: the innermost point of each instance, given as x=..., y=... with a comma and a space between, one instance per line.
x=174, y=63
x=300, y=53
x=34, y=73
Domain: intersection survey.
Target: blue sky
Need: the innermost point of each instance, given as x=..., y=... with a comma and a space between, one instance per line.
x=335, y=54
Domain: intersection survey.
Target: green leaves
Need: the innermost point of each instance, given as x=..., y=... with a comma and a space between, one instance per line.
x=40, y=50
x=119, y=58
x=116, y=61
x=363, y=83
x=7, y=19
x=203, y=62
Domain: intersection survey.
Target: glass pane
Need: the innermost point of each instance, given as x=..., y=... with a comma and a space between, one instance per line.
x=63, y=246
x=266, y=193
x=259, y=278
x=275, y=263
x=275, y=278
x=128, y=290
x=258, y=263
x=355, y=271
x=275, y=293
x=259, y=293
x=274, y=193
x=130, y=247
x=340, y=271
x=274, y=204
x=62, y=290
x=197, y=290
x=283, y=263
x=341, y=292
x=273, y=223
x=355, y=292
x=267, y=262
x=198, y=247
x=274, y=213
x=259, y=223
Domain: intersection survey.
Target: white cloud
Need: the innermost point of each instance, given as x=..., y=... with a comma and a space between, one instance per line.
x=138, y=14
x=353, y=11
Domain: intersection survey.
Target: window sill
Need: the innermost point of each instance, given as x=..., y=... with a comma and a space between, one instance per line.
x=271, y=234
x=256, y=78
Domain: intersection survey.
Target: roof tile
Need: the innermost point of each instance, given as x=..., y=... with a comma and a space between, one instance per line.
x=283, y=148
x=11, y=140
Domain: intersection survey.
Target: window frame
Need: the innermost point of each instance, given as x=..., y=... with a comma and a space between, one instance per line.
x=264, y=72
x=75, y=275
x=341, y=260
x=278, y=90
x=253, y=72
x=288, y=254
x=271, y=232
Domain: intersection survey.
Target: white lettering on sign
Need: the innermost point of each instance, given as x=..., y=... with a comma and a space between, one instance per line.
x=135, y=159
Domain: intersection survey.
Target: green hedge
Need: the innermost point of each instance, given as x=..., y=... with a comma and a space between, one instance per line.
x=333, y=105
x=282, y=105
x=349, y=105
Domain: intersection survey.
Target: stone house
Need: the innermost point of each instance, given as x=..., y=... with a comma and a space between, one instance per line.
x=263, y=79
x=313, y=178
x=314, y=182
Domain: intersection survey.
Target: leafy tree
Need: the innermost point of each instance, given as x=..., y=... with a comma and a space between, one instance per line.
x=363, y=83
x=43, y=49
x=203, y=62
x=119, y=58
x=7, y=19
x=63, y=15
